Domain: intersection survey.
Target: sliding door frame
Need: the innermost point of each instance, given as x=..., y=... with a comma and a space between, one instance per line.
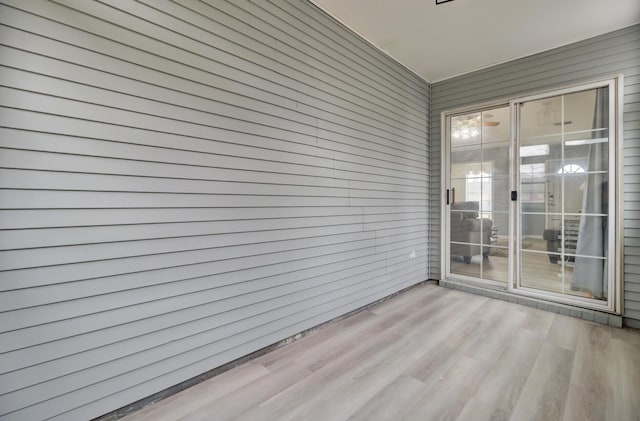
x=615, y=298
x=616, y=217
x=445, y=181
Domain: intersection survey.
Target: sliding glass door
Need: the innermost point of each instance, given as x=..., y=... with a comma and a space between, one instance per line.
x=530, y=191
x=566, y=209
x=477, y=180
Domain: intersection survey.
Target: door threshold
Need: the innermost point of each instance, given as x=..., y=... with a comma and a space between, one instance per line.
x=491, y=291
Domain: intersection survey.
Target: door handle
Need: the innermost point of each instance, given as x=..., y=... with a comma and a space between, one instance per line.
x=447, y=196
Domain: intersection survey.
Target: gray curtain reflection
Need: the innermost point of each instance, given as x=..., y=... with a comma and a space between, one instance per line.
x=590, y=275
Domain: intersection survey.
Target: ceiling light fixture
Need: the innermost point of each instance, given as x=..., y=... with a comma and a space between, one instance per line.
x=442, y=1
x=469, y=126
x=466, y=127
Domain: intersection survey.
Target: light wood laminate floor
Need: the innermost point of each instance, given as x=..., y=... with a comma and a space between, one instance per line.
x=430, y=353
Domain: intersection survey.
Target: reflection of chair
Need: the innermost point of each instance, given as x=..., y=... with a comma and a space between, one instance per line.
x=467, y=227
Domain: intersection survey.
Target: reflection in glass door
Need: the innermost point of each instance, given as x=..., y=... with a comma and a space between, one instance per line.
x=533, y=207
x=565, y=156
x=477, y=186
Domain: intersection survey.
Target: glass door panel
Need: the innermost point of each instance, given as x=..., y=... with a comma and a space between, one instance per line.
x=563, y=179
x=478, y=185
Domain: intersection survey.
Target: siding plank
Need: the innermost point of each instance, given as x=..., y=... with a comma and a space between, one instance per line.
x=182, y=184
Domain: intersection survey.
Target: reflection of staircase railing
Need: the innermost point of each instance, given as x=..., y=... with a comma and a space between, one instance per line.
x=493, y=238
x=554, y=240
x=570, y=239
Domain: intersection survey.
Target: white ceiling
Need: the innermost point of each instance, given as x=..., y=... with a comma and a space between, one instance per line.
x=439, y=42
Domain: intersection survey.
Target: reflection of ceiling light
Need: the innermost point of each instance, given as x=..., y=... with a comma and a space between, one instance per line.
x=465, y=127
x=534, y=150
x=465, y=133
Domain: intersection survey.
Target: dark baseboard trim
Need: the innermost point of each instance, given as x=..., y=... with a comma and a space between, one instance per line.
x=156, y=397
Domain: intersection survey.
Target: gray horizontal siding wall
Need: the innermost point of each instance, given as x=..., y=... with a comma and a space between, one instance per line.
x=599, y=57
x=184, y=183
